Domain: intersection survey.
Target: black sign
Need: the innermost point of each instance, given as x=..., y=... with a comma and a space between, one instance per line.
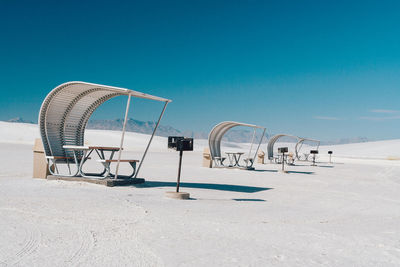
x=330, y=152
x=283, y=150
x=180, y=143
x=314, y=152
x=173, y=140
x=185, y=144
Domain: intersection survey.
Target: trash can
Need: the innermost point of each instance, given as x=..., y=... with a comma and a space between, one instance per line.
x=260, y=157
x=40, y=166
x=207, y=162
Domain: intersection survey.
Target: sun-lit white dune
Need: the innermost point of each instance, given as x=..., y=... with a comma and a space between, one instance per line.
x=341, y=214
x=23, y=133
x=388, y=149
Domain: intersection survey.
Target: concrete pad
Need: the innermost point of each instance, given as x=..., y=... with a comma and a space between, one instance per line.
x=177, y=195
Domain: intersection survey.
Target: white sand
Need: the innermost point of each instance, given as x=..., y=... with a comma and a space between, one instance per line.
x=345, y=214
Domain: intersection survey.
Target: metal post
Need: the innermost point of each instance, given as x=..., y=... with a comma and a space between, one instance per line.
x=283, y=161
x=251, y=147
x=151, y=138
x=297, y=149
x=179, y=171
x=128, y=103
x=259, y=144
x=330, y=158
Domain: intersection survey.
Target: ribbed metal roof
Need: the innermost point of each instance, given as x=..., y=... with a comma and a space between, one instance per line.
x=272, y=141
x=300, y=141
x=300, y=144
x=67, y=108
x=216, y=134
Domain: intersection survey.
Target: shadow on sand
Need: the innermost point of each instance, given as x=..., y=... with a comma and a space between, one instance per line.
x=324, y=166
x=264, y=170
x=301, y=165
x=249, y=199
x=222, y=187
x=300, y=172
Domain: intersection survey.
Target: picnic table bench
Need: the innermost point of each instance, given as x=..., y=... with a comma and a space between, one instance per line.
x=107, y=163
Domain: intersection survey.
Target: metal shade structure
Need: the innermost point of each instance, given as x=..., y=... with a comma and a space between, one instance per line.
x=273, y=140
x=218, y=132
x=301, y=142
x=67, y=108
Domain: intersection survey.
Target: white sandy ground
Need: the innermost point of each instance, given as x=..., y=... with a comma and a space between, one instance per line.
x=341, y=214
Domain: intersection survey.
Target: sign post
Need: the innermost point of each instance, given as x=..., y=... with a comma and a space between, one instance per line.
x=283, y=150
x=179, y=171
x=180, y=144
x=314, y=153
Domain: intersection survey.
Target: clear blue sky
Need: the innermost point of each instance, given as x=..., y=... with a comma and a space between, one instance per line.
x=323, y=69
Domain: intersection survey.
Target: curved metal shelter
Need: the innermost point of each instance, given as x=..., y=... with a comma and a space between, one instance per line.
x=67, y=108
x=301, y=142
x=218, y=132
x=272, y=141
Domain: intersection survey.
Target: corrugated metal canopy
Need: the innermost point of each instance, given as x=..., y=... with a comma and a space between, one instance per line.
x=216, y=134
x=300, y=141
x=300, y=144
x=67, y=108
x=272, y=142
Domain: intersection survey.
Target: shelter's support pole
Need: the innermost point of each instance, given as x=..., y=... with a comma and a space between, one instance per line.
x=297, y=148
x=151, y=138
x=128, y=103
x=259, y=144
x=251, y=146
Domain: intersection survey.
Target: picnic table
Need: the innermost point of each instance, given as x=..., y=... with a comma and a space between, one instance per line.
x=85, y=151
x=289, y=159
x=306, y=155
x=234, y=158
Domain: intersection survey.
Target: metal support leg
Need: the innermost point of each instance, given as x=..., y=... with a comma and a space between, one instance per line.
x=151, y=139
x=51, y=163
x=123, y=135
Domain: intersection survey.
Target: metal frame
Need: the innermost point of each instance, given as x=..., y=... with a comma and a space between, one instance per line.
x=66, y=110
x=215, y=137
x=300, y=144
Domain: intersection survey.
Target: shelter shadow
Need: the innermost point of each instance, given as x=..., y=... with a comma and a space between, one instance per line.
x=324, y=166
x=249, y=199
x=265, y=170
x=221, y=187
x=300, y=172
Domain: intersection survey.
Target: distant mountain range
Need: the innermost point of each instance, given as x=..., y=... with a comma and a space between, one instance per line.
x=144, y=127
x=20, y=120
x=147, y=127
